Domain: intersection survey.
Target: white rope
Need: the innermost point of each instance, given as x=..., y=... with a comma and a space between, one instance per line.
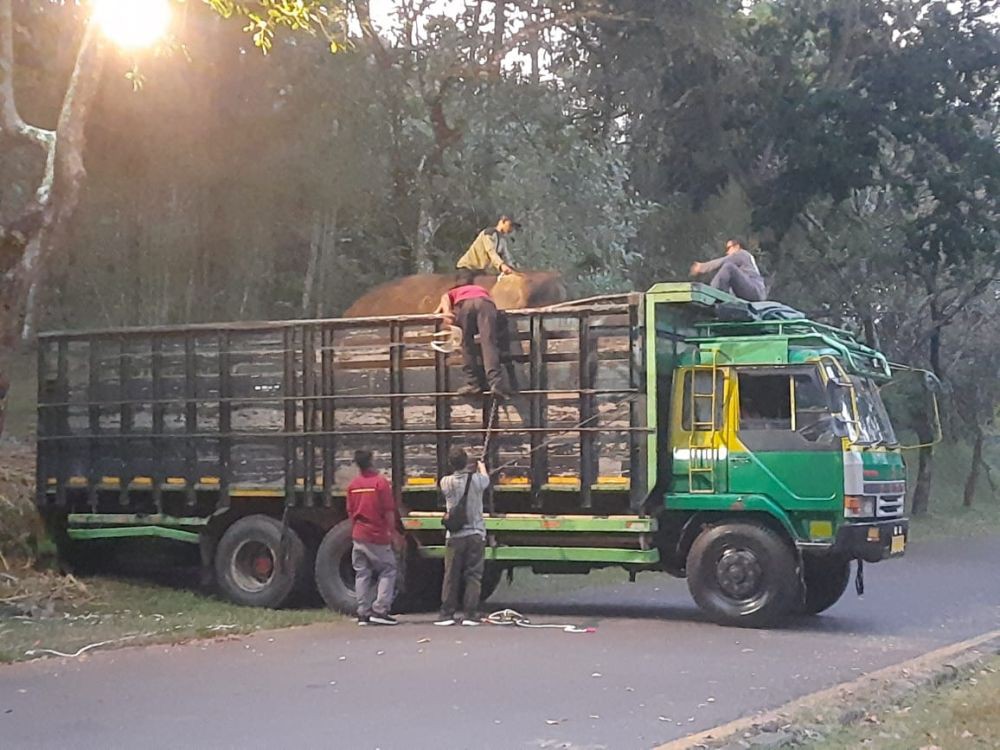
x=515, y=618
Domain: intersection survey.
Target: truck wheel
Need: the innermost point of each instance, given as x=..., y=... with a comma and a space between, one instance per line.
x=826, y=581
x=334, y=570
x=743, y=574
x=248, y=566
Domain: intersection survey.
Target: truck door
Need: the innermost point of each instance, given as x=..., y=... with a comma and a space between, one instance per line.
x=785, y=445
x=698, y=430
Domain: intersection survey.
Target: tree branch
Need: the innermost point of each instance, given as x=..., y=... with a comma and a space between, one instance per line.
x=11, y=124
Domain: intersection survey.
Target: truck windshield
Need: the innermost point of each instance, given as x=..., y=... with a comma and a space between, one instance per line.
x=874, y=427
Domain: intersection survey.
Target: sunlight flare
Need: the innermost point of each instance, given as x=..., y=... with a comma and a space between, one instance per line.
x=133, y=23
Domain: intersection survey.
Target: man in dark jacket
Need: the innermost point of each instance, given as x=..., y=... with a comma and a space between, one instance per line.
x=736, y=272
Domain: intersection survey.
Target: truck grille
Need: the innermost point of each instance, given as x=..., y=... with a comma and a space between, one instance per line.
x=889, y=507
x=889, y=497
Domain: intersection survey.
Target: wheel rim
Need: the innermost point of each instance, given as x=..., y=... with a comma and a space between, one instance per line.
x=740, y=574
x=253, y=566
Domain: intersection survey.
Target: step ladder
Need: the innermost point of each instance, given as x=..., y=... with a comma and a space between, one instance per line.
x=703, y=449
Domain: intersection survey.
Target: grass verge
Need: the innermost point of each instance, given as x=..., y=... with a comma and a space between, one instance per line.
x=40, y=610
x=947, y=516
x=962, y=712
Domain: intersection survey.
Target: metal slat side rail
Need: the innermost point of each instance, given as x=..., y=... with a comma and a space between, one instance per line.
x=118, y=532
x=308, y=413
x=636, y=411
x=288, y=391
x=156, y=367
x=277, y=325
x=62, y=388
x=556, y=429
x=351, y=396
x=442, y=413
x=396, y=417
x=124, y=519
x=125, y=423
x=585, y=375
x=94, y=420
x=225, y=417
x=530, y=522
x=560, y=554
x=537, y=412
x=190, y=419
x=327, y=407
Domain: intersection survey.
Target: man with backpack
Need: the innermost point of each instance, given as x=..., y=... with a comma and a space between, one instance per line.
x=466, y=538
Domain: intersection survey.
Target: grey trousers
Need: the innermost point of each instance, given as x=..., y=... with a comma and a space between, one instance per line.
x=371, y=562
x=463, y=561
x=732, y=279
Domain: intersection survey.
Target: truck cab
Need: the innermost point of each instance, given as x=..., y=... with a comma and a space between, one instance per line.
x=775, y=427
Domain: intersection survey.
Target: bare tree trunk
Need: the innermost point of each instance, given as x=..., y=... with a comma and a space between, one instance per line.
x=427, y=226
x=327, y=251
x=59, y=193
x=977, y=461
x=499, y=26
x=315, y=243
x=925, y=468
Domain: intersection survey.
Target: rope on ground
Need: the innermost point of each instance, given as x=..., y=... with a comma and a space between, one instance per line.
x=515, y=618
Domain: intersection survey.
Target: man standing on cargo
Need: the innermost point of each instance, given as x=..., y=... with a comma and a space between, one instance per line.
x=491, y=249
x=374, y=520
x=465, y=548
x=471, y=308
x=736, y=273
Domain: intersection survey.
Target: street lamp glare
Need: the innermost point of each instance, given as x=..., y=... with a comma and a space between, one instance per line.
x=132, y=23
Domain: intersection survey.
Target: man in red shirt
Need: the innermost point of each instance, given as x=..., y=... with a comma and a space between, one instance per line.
x=374, y=518
x=471, y=308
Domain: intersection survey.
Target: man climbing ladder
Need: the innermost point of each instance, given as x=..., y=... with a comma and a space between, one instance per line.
x=470, y=307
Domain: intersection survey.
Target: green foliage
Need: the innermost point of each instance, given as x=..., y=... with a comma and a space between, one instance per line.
x=265, y=18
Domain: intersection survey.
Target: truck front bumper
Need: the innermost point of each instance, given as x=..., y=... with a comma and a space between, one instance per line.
x=872, y=541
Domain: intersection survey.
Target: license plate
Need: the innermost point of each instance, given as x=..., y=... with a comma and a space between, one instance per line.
x=898, y=544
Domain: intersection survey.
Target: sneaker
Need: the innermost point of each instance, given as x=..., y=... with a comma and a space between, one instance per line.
x=470, y=390
x=364, y=620
x=470, y=623
x=445, y=621
x=377, y=619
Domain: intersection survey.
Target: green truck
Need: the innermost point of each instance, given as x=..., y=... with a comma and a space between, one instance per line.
x=738, y=445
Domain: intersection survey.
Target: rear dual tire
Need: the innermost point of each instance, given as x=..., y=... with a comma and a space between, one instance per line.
x=260, y=563
x=422, y=578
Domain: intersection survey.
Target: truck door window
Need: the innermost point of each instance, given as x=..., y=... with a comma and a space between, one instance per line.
x=765, y=402
x=791, y=402
x=703, y=404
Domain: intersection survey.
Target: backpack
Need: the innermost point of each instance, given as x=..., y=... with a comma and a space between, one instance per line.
x=457, y=517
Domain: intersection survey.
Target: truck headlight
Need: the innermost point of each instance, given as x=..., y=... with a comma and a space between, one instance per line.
x=858, y=506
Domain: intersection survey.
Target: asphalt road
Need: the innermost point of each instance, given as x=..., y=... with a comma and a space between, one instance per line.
x=654, y=670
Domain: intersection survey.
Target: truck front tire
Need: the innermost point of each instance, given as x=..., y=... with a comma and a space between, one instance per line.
x=743, y=574
x=249, y=567
x=826, y=580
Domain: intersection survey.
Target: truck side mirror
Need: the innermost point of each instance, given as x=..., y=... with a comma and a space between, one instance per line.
x=835, y=395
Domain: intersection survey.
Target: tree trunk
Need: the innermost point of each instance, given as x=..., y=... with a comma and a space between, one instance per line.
x=925, y=468
x=499, y=26
x=977, y=461
x=59, y=194
x=315, y=242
